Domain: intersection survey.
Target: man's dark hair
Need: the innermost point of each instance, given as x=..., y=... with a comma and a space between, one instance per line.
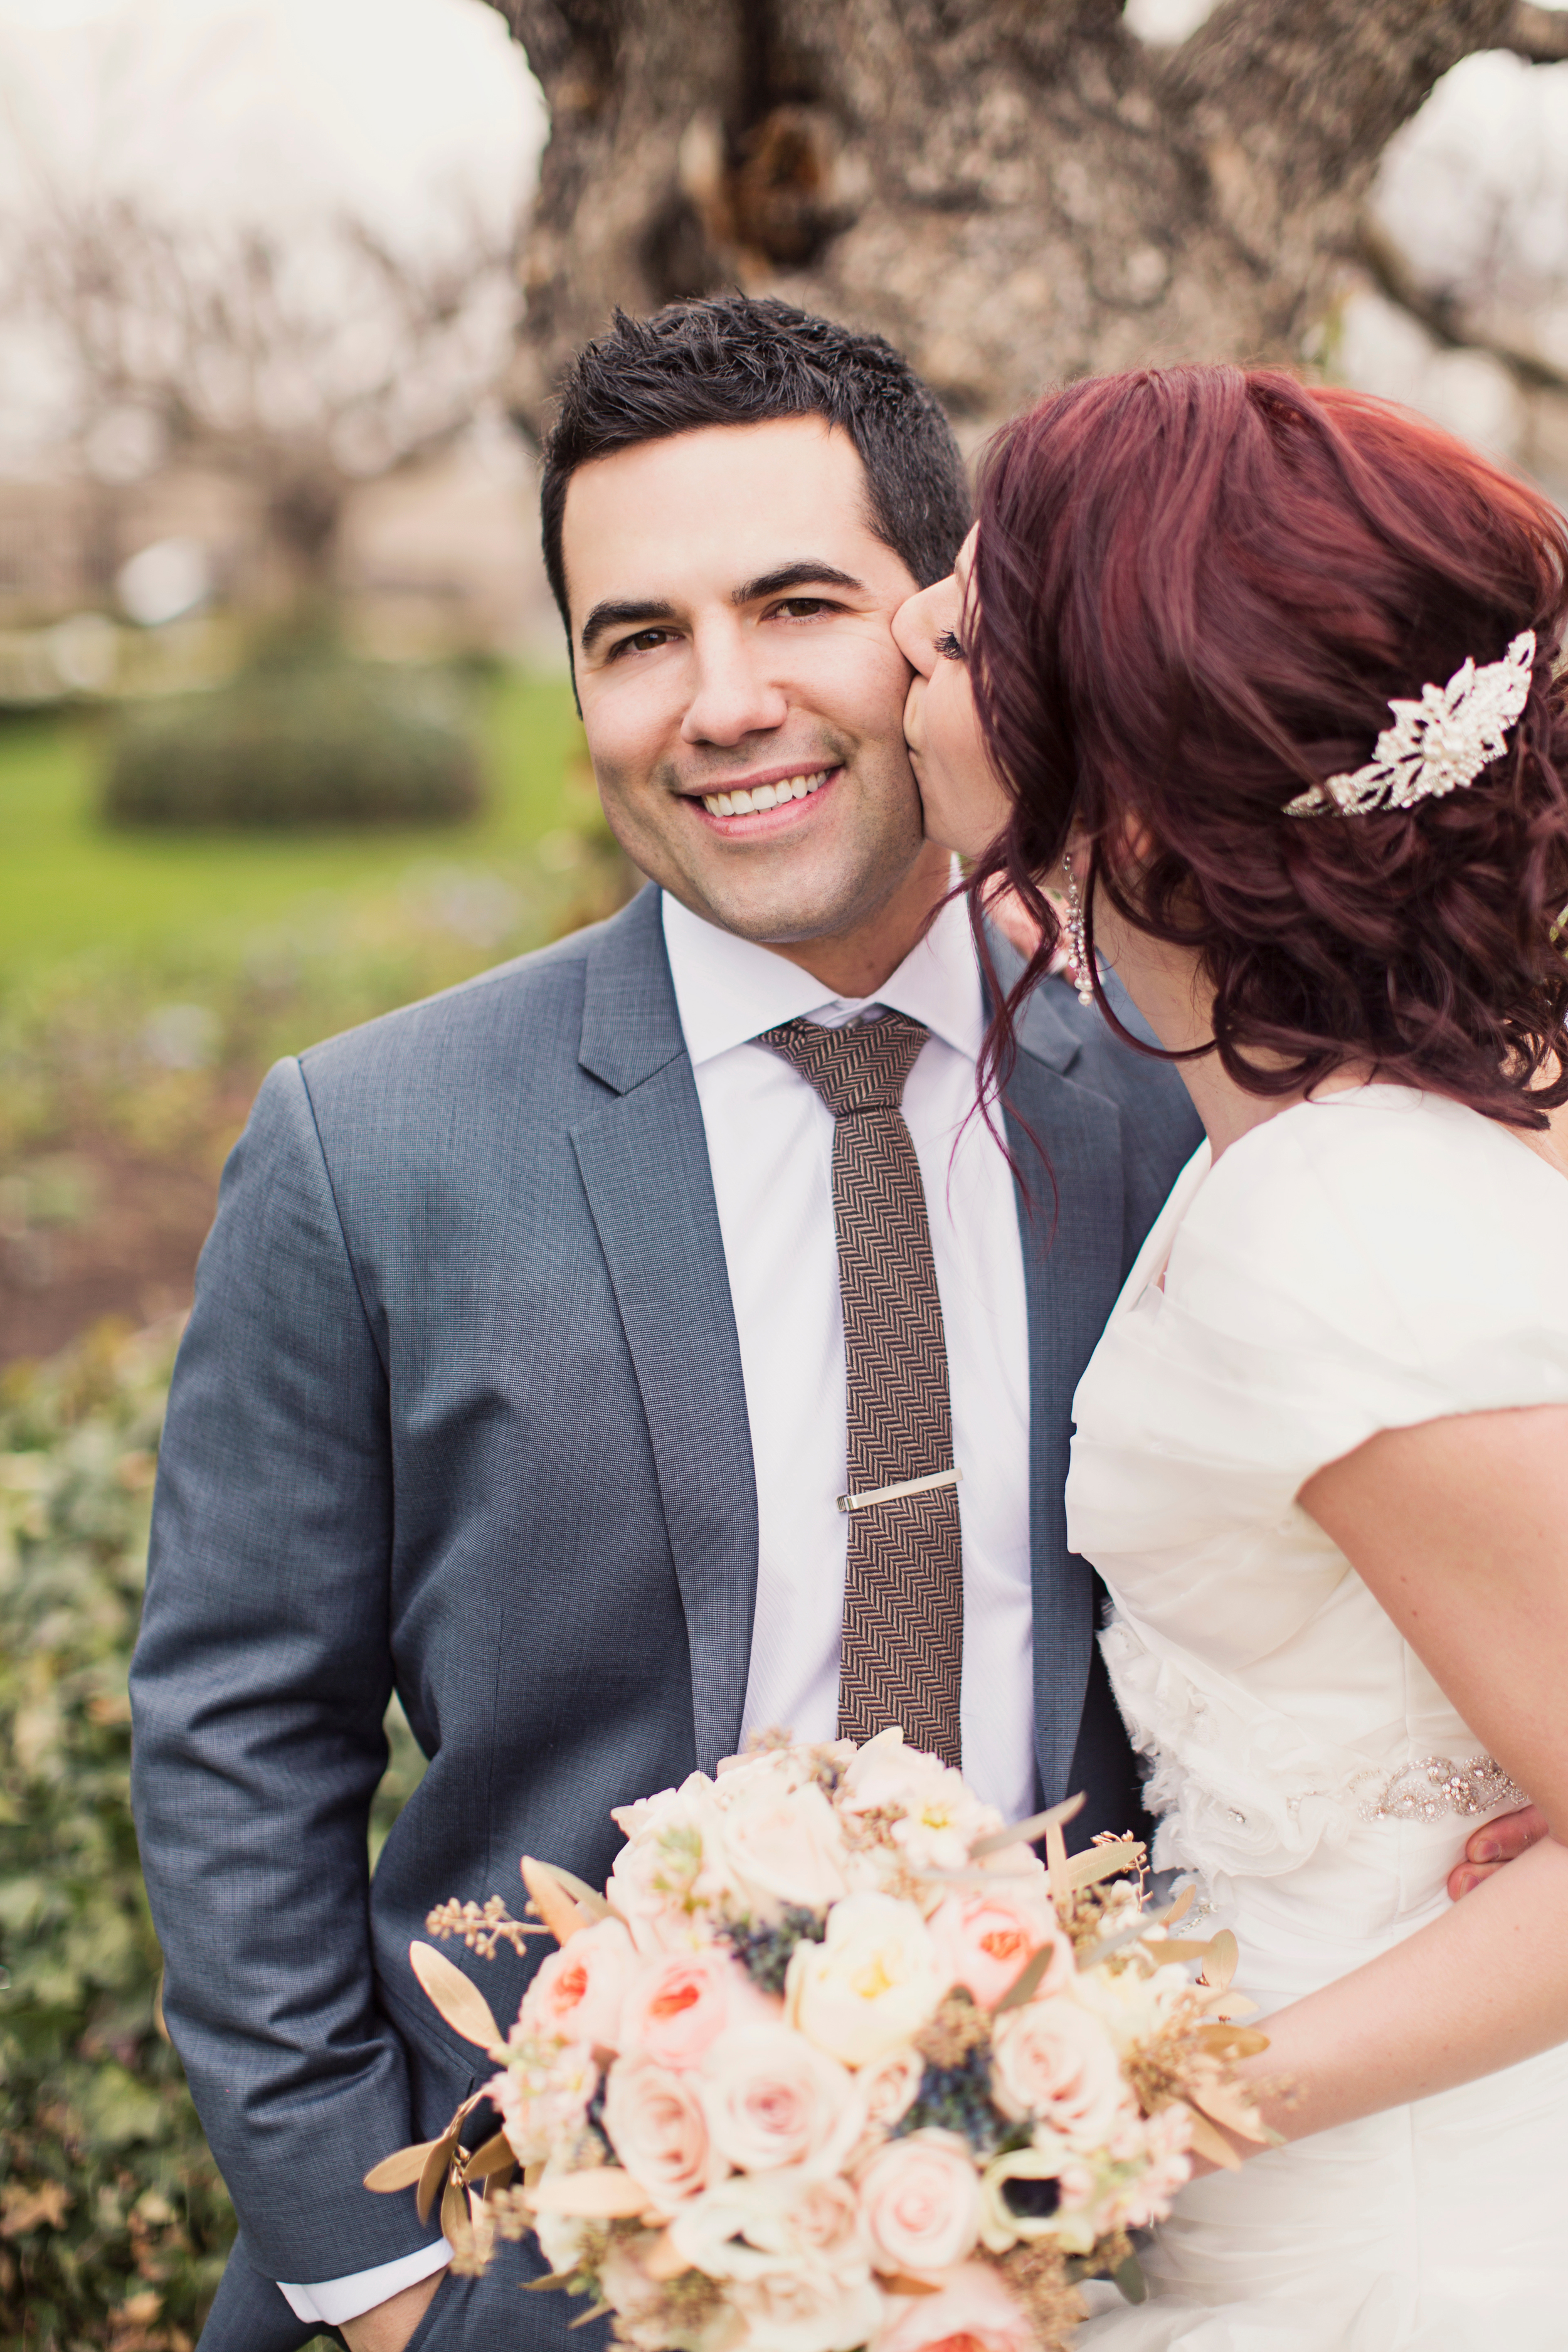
x=739, y=359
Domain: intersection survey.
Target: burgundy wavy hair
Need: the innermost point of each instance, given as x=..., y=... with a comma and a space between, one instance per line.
x=1196, y=591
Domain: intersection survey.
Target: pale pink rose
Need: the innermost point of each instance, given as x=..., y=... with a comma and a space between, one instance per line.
x=773, y=2098
x=677, y=2007
x=1053, y=2061
x=655, y=2122
x=920, y=2202
x=822, y=2216
x=578, y=1992
x=786, y=1847
x=887, y=2087
x=973, y=2313
x=986, y=1938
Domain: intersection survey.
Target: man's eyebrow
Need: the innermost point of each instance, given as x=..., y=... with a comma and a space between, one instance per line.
x=806, y=575
x=617, y=616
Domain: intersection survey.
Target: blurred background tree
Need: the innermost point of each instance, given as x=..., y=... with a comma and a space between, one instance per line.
x=1012, y=194
x=300, y=365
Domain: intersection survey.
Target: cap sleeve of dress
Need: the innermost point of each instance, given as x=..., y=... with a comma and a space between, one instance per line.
x=1368, y=1261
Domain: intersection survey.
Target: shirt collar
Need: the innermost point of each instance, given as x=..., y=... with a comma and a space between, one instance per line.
x=728, y=991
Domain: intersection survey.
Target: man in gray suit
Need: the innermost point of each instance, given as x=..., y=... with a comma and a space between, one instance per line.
x=517, y=1376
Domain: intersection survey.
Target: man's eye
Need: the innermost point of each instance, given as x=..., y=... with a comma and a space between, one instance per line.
x=803, y=608
x=948, y=646
x=642, y=642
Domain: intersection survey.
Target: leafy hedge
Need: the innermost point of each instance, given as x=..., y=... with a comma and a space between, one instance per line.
x=311, y=741
x=113, y=2222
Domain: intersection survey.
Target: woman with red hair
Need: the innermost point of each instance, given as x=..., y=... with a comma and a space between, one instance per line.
x=1258, y=681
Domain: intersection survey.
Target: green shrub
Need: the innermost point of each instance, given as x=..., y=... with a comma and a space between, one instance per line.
x=322, y=740
x=113, y=2222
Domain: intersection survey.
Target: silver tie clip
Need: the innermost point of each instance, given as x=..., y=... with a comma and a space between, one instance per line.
x=907, y=1487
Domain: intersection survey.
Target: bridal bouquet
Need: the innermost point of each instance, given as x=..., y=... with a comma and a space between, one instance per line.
x=835, y=2062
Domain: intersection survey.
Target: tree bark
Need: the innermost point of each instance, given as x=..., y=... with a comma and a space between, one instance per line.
x=1016, y=192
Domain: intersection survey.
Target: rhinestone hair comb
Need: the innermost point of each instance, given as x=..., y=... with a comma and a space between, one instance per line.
x=1437, y=745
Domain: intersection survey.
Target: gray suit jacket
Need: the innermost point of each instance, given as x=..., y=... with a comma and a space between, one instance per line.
x=460, y=1411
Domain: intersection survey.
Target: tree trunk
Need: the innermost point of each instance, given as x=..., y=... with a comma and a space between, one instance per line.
x=1014, y=192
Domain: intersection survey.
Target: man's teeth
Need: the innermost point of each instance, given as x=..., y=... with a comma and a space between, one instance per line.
x=765, y=796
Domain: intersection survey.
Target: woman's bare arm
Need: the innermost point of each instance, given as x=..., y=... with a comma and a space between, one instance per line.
x=1461, y=1529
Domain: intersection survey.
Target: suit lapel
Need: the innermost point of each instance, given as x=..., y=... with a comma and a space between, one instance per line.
x=643, y=1158
x=1072, y=1265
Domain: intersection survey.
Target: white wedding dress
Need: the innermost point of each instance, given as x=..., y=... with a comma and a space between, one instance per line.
x=1369, y=1261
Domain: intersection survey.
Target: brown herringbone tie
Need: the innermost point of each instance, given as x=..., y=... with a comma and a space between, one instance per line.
x=904, y=1595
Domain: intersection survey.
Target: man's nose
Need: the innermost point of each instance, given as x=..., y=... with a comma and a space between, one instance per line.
x=735, y=695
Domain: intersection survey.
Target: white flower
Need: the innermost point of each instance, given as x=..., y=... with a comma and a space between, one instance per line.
x=1129, y=2007
x=542, y=2096
x=670, y=1882
x=1060, y=2217
x=936, y=1816
x=804, y=2308
x=871, y=1985
x=786, y=1846
x=755, y=2222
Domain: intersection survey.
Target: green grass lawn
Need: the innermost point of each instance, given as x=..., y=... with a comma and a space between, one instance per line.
x=68, y=884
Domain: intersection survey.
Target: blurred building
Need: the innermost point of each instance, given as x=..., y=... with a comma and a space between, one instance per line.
x=441, y=558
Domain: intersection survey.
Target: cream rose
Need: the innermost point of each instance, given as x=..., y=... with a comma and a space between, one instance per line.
x=801, y=2308
x=772, y=2099
x=1053, y=2061
x=677, y=2007
x=985, y=1939
x=786, y=1846
x=920, y=2202
x=973, y=2311
x=577, y=1996
x=753, y=2222
x=873, y=1983
x=656, y=2124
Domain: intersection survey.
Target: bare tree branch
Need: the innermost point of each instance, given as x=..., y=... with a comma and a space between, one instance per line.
x=1445, y=319
x=1539, y=33
x=299, y=370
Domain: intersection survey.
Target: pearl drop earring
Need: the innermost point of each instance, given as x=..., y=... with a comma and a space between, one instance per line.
x=1078, y=946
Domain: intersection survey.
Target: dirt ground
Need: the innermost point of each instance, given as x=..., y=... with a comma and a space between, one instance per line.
x=127, y=1247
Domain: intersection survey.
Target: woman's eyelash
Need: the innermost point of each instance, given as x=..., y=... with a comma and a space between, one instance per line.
x=947, y=645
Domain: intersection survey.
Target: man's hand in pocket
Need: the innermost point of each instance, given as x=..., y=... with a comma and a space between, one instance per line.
x=387, y=2327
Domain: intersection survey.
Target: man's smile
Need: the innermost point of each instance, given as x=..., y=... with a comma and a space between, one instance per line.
x=762, y=805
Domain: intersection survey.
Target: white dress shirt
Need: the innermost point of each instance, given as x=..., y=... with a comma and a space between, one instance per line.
x=770, y=1145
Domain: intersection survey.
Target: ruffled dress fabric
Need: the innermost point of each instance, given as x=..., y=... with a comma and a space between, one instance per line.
x=1372, y=1261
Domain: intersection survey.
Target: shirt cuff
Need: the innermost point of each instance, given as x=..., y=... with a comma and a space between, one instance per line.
x=331, y=2301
